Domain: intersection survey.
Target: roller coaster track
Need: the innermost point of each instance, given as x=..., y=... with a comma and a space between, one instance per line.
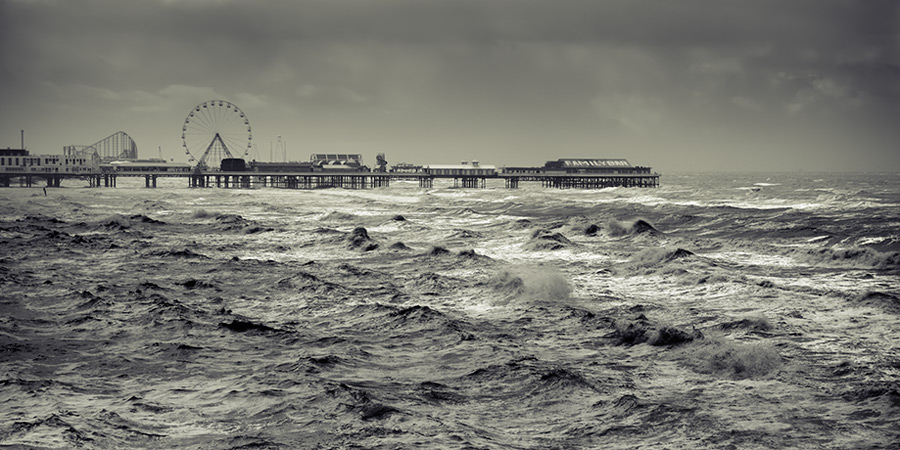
x=118, y=146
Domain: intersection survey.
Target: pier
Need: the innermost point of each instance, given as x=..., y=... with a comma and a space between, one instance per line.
x=306, y=180
x=321, y=172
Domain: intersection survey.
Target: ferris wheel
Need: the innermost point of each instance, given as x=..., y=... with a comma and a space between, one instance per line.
x=215, y=129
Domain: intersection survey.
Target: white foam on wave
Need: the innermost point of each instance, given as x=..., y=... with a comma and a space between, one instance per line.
x=744, y=258
x=381, y=195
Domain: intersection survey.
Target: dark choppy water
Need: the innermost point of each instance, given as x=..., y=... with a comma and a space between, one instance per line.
x=719, y=311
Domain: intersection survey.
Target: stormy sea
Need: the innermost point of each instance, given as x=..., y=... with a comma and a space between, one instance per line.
x=721, y=310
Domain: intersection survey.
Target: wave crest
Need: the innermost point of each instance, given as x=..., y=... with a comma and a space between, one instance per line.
x=616, y=228
x=716, y=355
x=536, y=283
x=852, y=256
x=542, y=239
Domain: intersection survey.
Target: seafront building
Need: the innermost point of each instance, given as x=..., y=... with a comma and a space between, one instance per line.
x=21, y=164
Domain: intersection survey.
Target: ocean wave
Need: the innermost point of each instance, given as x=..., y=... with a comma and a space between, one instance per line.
x=653, y=257
x=203, y=214
x=591, y=230
x=433, y=283
x=91, y=301
x=307, y=283
x=889, y=390
x=544, y=240
x=854, y=257
x=520, y=224
x=616, y=228
x=641, y=330
x=338, y=216
x=360, y=402
x=158, y=313
x=175, y=351
x=535, y=382
x=58, y=429
x=73, y=240
x=434, y=327
x=512, y=373
x=715, y=354
x=529, y=283
x=39, y=219
x=399, y=246
x=183, y=253
x=359, y=239
x=120, y=222
x=228, y=222
x=244, y=326
x=438, y=251
x=883, y=300
x=471, y=256
x=460, y=233
x=562, y=378
x=235, y=222
x=440, y=394
x=145, y=219
x=754, y=324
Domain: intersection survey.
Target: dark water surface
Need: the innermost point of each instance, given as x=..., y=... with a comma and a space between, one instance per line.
x=718, y=311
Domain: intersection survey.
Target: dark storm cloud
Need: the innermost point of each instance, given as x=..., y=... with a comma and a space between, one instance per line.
x=833, y=27
x=700, y=22
x=489, y=71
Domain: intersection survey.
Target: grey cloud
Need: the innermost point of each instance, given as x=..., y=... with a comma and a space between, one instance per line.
x=479, y=71
x=658, y=22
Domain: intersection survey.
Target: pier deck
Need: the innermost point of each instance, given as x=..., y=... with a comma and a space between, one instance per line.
x=348, y=180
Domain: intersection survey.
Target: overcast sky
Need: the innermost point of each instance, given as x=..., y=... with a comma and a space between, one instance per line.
x=676, y=85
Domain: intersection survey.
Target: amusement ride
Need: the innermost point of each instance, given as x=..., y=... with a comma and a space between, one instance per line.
x=216, y=130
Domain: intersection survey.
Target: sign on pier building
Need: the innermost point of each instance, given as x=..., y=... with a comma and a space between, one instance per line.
x=591, y=165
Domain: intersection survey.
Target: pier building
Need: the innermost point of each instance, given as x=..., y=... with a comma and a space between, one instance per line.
x=20, y=163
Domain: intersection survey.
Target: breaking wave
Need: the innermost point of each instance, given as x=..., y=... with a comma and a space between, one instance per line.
x=617, y=228
x=530, y=283
x=735, y=360
x=542, y=240
x=850, y=257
